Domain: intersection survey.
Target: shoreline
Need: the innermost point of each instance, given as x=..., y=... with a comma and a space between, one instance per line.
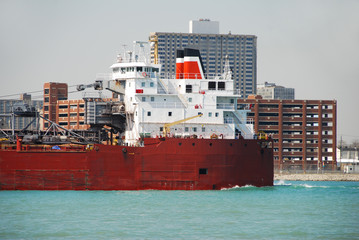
x=317, y=177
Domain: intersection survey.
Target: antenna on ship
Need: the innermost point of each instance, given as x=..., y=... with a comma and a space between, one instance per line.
x=124, y=47
x=141, y=51
x=119, y=58
x=130, y=54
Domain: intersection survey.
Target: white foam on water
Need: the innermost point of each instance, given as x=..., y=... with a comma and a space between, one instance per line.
x=238, y=187
x=311, y=186
x=281, y=183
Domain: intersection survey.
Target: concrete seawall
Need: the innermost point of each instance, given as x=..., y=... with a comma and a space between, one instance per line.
x=317, y=177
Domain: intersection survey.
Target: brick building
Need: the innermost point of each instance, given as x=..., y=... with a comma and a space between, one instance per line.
x=52, y=93
x=304, y=131
x=70, y=114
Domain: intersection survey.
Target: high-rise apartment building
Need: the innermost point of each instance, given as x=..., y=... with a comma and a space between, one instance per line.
x=273, y=91
x=241, y=51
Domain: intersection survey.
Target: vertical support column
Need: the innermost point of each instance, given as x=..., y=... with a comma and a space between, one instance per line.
x=304, y=136
x=68, y=113
x=78, y=116
x=334, y=136
x=256, y=116
x=320, y=131
x=280, y=133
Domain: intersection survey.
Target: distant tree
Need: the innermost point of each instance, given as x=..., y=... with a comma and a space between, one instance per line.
x=355, y=143
x=342, y=144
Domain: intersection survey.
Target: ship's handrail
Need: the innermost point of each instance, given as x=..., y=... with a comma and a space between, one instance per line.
x=163, y=85
x=182, y=98
x=166, y=105
x=225, y=106
x=228, y=120
x=215, y=76
x=166, y=75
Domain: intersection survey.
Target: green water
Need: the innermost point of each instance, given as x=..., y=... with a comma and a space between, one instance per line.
x=289, y=210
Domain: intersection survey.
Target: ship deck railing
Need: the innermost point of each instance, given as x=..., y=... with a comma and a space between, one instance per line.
x=166, y=105
x=227, y=106
x=230, y=106
x=43, y=148
x=145, y=74
x=192, y=76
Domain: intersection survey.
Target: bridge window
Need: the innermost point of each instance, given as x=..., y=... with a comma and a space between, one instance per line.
x=170, y=114
x=203, y=171
x=221, y=86
x=188, y=88
x=211, y=85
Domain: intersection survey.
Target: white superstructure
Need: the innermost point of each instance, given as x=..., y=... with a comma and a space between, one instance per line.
x=151, y=102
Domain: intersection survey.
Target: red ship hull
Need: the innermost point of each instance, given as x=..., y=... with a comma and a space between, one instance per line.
x=162, y=164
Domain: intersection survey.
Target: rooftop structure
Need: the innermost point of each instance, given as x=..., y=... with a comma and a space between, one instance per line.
x=204, y=26
x=273, y=91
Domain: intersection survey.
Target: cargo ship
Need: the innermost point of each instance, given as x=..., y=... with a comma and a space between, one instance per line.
x=180, y=132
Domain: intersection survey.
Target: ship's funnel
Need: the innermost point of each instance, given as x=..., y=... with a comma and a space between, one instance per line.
x=192, y=67
x=179, y=64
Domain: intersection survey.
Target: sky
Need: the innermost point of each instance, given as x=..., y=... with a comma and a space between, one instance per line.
x=309, y=45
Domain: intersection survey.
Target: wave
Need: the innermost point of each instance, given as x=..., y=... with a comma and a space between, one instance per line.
x=311, y=184
x=305, y=185
x=281, y=183
x=238, y=187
